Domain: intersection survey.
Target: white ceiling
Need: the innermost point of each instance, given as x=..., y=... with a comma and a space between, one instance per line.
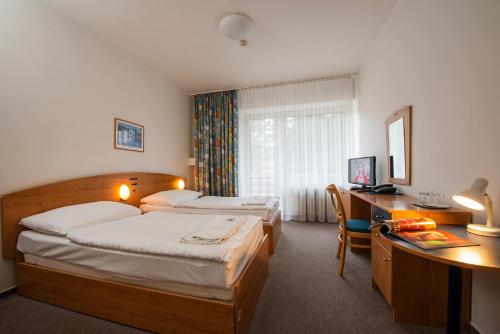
x=290, y=40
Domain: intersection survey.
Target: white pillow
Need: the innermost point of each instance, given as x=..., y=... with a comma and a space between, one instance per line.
x=170, y=197
x=61, y=221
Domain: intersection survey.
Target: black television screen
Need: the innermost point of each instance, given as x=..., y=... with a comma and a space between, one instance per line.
x=362, y=171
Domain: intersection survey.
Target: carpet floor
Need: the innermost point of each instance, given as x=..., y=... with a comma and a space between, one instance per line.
x=303, y=294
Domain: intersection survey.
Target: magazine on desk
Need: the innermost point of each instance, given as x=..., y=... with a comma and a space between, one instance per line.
x=422, y=233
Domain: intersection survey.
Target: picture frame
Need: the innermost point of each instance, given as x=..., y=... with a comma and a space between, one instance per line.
x=128, y=135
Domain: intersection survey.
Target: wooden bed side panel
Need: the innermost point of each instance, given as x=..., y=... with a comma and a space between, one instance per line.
x=249, y=287
x=268, y=230
x=18, y=205
x=136, y=306
x=273, y=230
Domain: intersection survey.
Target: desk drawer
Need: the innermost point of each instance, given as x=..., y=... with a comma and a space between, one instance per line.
x=383, y=242
x=380, y=214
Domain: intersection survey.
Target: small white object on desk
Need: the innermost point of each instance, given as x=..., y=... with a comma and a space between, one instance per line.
x=477, y=199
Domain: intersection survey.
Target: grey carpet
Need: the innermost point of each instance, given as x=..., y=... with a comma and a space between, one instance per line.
x=303, y=294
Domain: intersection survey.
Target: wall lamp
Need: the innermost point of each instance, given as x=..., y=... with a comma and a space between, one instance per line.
x=124, y=192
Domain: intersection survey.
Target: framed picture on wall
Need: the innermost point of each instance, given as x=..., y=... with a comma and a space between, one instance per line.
x=129, y=136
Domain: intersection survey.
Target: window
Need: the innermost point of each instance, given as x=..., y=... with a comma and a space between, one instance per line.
x=293, y=146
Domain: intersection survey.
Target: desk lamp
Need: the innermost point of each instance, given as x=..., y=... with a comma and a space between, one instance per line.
x=477, y=199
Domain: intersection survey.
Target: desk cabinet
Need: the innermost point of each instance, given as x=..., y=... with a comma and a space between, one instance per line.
x=381, y=265
x=416, y=287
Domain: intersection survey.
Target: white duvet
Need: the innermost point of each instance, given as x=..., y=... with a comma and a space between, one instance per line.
x=229, y=203
x=160, y=233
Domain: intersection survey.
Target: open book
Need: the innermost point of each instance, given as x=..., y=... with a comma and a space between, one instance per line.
x=422, y=233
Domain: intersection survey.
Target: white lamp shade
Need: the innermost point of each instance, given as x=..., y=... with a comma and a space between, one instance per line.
x=235, y=26
x=476, y=198
x=473, y=197
x=469, y=200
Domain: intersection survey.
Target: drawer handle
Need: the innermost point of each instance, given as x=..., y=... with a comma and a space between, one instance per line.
x=386, y=259
x=377, y=235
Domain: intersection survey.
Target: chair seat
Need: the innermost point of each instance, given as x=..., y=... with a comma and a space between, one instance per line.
x=358, y=225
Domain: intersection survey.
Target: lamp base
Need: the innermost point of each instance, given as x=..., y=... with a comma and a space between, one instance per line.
x=484, y=230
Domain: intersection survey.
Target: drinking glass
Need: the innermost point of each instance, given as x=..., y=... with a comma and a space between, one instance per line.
x=436, y=198
x=423, y=198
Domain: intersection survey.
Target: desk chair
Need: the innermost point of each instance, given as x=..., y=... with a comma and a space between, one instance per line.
x=348, y=229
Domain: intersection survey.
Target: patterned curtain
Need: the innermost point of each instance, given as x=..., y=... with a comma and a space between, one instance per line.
x=215, y=138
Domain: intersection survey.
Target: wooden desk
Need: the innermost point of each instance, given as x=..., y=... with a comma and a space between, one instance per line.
x=399, y=206
x=486, y=256
x=416, y=282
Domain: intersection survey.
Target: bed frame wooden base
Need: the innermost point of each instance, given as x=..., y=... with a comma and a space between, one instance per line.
x=146, y=308
x=273, y=231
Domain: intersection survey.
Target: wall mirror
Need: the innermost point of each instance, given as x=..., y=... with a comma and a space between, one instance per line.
x=398, y=138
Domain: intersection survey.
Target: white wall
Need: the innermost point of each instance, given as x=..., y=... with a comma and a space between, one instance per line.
x=443, y=58
x=60, y=89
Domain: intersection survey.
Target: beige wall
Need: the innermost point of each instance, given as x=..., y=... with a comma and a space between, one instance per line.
x=442, y=57
x=60, y=89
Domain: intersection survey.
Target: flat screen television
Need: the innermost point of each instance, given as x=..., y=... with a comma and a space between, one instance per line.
x=362, y=171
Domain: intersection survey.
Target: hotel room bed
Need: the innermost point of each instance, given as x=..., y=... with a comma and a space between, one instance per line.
x=267, y=213
x=216, y=291
x=268, y=209
x=190, y=276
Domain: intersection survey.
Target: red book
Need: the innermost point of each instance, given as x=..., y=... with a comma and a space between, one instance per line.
x=410, y=224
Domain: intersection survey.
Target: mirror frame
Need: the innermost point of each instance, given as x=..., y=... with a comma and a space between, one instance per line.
x=405, y=114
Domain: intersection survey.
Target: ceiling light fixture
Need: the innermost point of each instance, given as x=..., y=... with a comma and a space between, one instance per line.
x=236, y=26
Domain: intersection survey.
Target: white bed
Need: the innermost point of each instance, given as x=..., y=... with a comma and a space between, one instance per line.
x=266, y=214
x=182, y=274
x=220, y=206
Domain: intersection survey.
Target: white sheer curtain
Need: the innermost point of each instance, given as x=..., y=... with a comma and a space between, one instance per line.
x=294, y=140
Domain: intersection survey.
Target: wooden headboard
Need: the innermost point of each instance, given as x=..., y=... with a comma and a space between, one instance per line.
x=18, y=205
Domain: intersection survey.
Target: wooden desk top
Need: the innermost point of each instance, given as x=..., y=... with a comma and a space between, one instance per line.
x=401, y=203
x=393, y=203
x=486, y=256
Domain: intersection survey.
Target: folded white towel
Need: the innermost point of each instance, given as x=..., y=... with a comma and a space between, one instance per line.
x=215, y=232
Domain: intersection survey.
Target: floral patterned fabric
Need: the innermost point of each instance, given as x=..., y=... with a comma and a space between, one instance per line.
x=215, y=139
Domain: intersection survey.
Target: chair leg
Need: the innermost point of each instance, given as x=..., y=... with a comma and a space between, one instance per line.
x=342, y=259
x=339, y=248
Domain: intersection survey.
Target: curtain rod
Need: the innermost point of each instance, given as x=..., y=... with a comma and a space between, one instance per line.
x=343, y=76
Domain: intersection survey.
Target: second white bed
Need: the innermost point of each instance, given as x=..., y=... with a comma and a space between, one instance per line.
x=266, y=213
x=263, y=207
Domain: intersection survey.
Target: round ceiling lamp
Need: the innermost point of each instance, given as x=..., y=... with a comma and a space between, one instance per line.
x=236, y=26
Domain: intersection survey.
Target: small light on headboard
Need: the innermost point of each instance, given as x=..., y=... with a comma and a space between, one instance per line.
x=124, y=192
x=181, y=184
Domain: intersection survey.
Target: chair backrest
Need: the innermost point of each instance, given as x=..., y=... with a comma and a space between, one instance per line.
x=338, y=206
